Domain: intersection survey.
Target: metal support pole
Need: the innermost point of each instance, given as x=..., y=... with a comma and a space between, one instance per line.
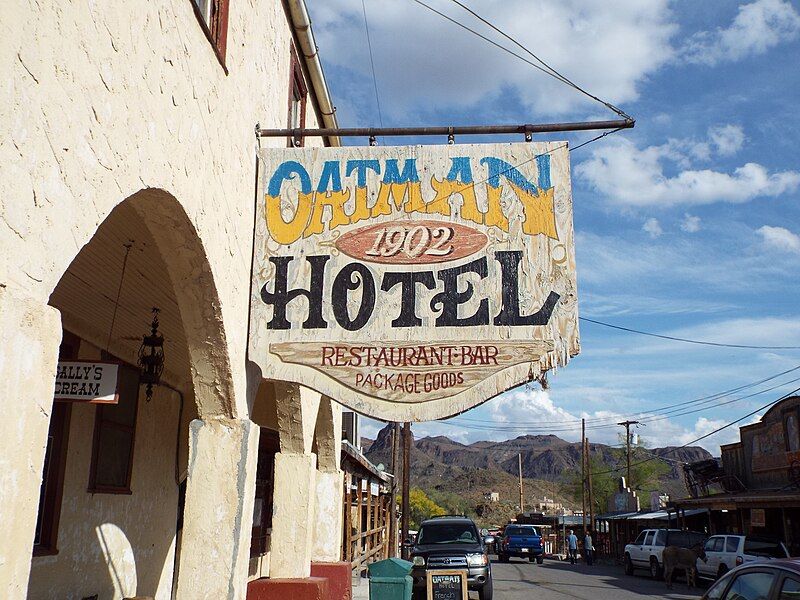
x=627, y=426
x=591, y=495
x=406, y=484
x=583, y=472
x=521, y=497
x=527, y=130
x=396, y=470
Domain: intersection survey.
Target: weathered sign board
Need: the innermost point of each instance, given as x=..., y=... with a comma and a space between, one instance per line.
x=446, y=584
x=413, y=283
x=87, y=381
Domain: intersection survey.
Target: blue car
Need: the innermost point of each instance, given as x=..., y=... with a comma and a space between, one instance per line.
x=522, y=541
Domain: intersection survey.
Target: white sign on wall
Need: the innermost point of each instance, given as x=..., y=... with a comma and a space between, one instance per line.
x=82, y=381
x=413, y=283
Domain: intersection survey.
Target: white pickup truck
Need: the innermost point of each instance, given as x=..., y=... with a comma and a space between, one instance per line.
x=646, y=551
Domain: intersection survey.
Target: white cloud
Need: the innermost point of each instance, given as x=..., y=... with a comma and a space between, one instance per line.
x=652, y=227
x=758, y=26
x=690, y=223
x=728, y=139
x=632, y=176
x=422, y=61
x=780, y=238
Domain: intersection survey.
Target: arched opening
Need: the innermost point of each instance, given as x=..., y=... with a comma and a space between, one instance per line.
x=110, y=468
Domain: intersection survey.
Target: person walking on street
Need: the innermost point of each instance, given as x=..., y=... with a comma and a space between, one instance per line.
x=588, y=547
x=572, y=547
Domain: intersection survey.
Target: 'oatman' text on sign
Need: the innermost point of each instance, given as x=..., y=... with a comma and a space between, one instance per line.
x=413, y=282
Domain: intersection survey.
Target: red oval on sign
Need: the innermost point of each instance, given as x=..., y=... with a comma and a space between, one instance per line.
x=412, y=242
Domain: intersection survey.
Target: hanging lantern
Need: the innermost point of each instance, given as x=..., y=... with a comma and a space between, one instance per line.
x=151, y=357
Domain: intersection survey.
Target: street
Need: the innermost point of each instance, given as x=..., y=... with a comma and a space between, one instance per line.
x=555, y=580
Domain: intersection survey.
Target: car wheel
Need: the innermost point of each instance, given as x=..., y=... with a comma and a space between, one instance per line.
x=539, y=560
x=722, y=570
x=487, y=591
x=655, y=569
x=628, y=565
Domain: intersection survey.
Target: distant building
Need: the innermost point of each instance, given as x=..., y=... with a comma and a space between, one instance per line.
x=548, y=505
x=756, y=488
x=492, y=496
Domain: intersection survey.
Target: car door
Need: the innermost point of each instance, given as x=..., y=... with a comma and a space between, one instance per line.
x=728, y=557
x=635, y=549
x=713, y=547
x=645, y=551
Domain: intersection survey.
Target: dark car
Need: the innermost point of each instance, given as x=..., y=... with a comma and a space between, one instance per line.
x=522, y=541
x=775, y=580
x=452, y=543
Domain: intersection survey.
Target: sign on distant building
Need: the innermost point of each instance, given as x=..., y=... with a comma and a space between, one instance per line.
x=413, y=283
x=82, y=381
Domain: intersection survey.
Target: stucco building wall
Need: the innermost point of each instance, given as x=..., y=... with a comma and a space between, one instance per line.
x=103, y=546
x=106, y=101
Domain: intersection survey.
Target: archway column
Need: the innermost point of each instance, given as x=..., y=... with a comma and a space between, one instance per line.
x=218, y=516
x=330, y=483
x=31, y=337
x=295, y=495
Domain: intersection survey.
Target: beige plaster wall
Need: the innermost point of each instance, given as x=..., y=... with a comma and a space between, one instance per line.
x=116, y=545
x=31, y=334
x=103, y=99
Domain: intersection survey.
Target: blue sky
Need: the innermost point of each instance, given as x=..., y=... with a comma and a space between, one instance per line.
x=687, y=225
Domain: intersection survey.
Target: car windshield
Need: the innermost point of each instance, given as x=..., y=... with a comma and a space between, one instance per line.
x=448, y=533
x=517, y=530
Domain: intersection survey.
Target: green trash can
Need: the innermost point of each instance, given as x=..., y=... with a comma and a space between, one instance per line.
x=390, y=579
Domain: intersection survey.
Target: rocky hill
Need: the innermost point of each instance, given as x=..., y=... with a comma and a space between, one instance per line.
x=439, y=463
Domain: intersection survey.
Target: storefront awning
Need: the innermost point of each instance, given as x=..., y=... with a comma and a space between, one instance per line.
x=755, y=499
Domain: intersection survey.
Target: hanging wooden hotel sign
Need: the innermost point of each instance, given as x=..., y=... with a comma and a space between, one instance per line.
x=413, y=283
x=87, y=381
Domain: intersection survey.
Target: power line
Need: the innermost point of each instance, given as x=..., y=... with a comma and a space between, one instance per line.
x=551, y=70
x=544, y=427
x=546, y=69
x=660, y=409
x=372, y=64
x=686, y=340
x=702, y=437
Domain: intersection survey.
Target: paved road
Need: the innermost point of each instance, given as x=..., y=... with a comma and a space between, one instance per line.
x=555, y=580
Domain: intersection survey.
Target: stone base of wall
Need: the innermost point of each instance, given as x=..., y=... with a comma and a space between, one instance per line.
x=309, y=588
x=339, y=576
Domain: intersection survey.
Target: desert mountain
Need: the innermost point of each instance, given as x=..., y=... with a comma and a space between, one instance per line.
x=446, y=465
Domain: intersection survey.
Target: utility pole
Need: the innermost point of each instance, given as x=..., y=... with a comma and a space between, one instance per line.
x=583, y=472
x=521, y=500
x=396, y=470
x=406, y=485
x=627, y=426
x=589, y=478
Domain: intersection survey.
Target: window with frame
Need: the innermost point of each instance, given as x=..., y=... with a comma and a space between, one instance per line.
x=55, y=462
x=298, y=95
x=114, y=434
x=213, y=17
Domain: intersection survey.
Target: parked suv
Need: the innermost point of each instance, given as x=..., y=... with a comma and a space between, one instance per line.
x=523, y=541
x=646, y=551
x=724, y=552
x=452, y=543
